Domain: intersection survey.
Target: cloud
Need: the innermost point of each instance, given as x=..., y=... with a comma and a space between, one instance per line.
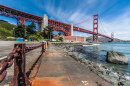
x=114, y=18
x=119, y=25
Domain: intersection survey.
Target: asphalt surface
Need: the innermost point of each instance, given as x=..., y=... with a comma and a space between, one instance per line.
x=31, y=57
x=7, y=46
x=56, y=68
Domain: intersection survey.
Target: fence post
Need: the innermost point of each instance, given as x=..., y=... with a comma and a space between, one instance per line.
x=46, y=44
x=20, y=78
x=43, y=50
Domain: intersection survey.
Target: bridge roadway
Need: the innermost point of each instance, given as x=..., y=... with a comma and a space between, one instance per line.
x=24, y=16
x=56, y=68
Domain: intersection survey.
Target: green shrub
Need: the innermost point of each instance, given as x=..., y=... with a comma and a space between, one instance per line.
x=60, y=38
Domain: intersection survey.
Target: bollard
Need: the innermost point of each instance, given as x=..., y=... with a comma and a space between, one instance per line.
x=20, y=78
x=46, y=44
x=43, y=49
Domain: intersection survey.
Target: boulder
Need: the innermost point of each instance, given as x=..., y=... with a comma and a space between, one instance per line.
x=116, y=57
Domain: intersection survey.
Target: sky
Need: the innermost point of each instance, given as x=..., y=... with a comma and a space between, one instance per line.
x=114, y=15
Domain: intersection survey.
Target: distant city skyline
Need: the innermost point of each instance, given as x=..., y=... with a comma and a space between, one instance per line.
x=114, y=14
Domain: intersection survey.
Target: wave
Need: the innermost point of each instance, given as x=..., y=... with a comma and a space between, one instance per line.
x=127, y=77
x=92, y=45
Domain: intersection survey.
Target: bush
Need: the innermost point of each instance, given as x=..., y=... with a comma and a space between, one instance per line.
x=33, y=38
x=10, y=39
x=60, y=38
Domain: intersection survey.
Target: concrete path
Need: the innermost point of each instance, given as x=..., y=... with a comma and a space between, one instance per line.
x=56, y=68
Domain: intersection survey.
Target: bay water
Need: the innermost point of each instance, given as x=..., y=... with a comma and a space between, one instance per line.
x=99, y=52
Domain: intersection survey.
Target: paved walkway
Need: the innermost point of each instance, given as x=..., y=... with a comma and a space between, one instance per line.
x=56, y=68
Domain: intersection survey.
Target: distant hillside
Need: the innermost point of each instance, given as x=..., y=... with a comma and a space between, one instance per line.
x=103, y=39
x=6, y=29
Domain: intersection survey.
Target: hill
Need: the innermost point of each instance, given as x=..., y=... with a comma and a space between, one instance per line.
x=103, y=39
x=6, y=29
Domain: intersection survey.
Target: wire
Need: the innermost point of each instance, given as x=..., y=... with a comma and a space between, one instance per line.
x=102, y=27
x=84, y=21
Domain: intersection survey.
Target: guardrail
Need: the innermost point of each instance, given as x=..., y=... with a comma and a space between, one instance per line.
x=18, y=54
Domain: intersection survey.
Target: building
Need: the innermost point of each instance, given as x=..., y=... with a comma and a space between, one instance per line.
x=56, y=37
x=74, y=39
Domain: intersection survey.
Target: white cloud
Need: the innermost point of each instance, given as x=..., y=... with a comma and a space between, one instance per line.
x=80, y=10
x=120, y=26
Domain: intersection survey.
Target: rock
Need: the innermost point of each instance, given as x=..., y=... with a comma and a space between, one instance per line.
x=116, y=57
x=111, y=80
x=123, y=81
x=120, y=73
x=104, y=67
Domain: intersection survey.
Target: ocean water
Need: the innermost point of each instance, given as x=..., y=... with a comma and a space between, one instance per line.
x=100, y=51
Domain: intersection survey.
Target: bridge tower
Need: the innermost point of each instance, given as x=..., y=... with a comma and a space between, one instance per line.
x=43, y=24
x=71, y=29
x=112, y=37
x=95, y=28
x=21, y=20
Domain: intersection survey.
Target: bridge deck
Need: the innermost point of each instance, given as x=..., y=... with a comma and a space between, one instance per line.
x=56, y=68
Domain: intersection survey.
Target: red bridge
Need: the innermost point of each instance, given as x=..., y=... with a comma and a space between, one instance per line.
x=59, y=26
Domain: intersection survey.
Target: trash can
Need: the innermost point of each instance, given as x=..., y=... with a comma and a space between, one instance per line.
x=17, y=39
x=21, y=39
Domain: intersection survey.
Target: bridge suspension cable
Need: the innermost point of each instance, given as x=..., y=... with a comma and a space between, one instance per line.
x=100, y=29
x=103, y=28
x=84, y=21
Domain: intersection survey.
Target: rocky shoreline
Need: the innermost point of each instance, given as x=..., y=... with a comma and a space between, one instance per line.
x=115, y=78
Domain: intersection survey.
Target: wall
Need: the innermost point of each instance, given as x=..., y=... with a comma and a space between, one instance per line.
x=74, y=39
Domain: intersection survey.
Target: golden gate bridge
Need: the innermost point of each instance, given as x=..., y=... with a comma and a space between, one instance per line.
x=21, y=17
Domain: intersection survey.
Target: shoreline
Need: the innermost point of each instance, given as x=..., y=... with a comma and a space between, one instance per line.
x=116, y=79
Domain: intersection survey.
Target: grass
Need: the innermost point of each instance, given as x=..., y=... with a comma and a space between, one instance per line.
x=6, y=30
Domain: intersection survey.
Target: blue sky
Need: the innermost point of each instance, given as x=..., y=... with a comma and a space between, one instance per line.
x=114, y=14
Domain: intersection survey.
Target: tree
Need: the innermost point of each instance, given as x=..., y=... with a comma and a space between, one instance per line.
x=32, y=38
x=59, y=33
x=44, y=33
x=60, y=38
x=20, y=31
x=50, y=29
x=31, y=29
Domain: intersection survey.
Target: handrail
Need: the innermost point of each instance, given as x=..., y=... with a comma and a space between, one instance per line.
x=18, y=55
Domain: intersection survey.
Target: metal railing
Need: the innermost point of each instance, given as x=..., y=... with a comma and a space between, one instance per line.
x=18, y=54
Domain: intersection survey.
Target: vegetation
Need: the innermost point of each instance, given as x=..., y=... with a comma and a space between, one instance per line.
x=20, y=31
x=31, y=29
x=60, y=38
x=28, y=32
x=50, y=29
x=47, y=32
x=59, y=33
x=6, y=29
